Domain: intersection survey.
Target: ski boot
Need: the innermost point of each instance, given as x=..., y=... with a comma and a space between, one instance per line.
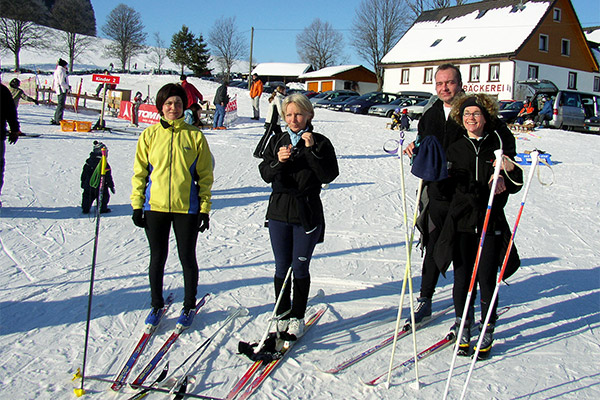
x=464, y=346
x=486, y=343
x=422, y=311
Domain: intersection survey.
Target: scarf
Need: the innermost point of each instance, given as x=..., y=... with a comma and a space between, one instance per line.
x=295, y=136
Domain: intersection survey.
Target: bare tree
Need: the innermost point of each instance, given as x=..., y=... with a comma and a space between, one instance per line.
x=378, y=25
x=158, y=53
x=320, y=45
x=17, y=31
x=227, y=44
x=76, y=33
x=124, y=26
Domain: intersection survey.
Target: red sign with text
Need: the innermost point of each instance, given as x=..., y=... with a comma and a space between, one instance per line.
x=105, y=78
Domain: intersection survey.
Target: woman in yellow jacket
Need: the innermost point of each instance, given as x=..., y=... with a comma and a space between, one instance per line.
x=172, y=183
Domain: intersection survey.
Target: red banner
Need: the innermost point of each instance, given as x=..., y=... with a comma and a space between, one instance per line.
x=105, y=78
x=146, y=114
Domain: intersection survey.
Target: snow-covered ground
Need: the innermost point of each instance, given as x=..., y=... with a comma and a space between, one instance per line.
x=547, y=344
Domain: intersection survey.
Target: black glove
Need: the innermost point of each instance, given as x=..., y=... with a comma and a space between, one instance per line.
x=138, y=218
x=112, y=189
x=203, y=222
x=13, y=137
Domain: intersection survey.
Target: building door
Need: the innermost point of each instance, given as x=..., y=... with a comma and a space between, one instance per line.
x=326, y=85
x=313, y=86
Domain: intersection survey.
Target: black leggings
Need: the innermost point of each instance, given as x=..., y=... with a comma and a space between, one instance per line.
x=158, y=228
x=465, y=251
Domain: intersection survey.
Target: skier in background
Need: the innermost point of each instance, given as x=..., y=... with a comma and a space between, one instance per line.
x=90, y=180
x=8, y=114
x=18, y=93
x=60, y=85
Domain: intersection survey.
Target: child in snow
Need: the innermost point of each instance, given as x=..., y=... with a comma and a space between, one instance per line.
x=90, y=179
x=405, y=120
x=396, y=118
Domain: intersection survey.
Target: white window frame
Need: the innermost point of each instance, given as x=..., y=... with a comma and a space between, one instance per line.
x=494, y=73
x=405, y=76
x=533, y=70
x=597, y=84
x=428, y=75
x=572, y=81
x=475, y=73
x=557, y=15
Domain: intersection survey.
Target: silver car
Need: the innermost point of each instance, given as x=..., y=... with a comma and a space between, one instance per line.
x=386, y=110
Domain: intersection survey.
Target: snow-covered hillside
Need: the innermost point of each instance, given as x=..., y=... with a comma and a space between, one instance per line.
x=547, y=343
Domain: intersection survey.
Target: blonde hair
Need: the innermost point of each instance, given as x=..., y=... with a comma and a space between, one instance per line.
x=301, y=101
x=487, y=104
x=278, y=89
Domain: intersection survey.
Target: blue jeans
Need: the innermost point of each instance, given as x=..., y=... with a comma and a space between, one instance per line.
x=292, y=246
x=219, y=116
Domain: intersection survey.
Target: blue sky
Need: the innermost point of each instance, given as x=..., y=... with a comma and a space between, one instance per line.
x=276, y=23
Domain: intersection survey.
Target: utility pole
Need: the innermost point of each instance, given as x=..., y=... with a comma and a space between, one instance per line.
x=251, y=45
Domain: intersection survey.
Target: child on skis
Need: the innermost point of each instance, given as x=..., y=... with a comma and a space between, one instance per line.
x=90, y=179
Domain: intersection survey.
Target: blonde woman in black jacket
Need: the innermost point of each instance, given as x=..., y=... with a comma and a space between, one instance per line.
x=296, y=162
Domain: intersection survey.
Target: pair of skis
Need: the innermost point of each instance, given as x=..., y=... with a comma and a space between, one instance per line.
x=265, y=368
x=121, y=377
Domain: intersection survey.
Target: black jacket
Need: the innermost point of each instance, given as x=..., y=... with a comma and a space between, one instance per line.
x=88, y=170
x=297, y=182
x=8, y=113
x=221, y=95
x=470, y=169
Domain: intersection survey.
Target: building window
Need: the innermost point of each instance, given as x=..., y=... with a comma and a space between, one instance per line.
x=533, y=72
x=481, y=14
x=572, y=83
x=443, y=19
x=543, y=43
x=437, y=41
x=474, y=73
x=565, y=47
x=557, y=15
x=460, y=39
x=404, y=77
x=494, y=74
x=597, y=84
x=428, y=77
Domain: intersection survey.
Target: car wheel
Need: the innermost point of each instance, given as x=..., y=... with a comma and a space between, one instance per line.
x=389, y=114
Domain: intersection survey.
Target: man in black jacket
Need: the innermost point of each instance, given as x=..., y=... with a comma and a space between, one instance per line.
x=435, y=200
x=8, y=113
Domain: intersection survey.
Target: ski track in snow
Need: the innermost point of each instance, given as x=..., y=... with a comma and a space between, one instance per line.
x=546, y=344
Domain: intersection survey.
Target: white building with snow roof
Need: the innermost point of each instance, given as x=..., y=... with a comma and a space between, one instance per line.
x=280, y=72
x=495, y=43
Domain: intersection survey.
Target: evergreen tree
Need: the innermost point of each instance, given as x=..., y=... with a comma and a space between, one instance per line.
x=188, y=51
x=74, y=38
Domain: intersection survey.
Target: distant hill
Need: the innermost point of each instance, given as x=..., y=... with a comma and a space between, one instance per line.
x=44, y=59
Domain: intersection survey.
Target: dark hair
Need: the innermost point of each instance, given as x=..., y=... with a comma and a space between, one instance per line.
x=182, y=77
x=15, y=83
x=62, y=62
x=170, y=89
x=448, y=66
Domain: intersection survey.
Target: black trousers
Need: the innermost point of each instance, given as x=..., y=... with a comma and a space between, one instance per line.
x=158, y=228
x=465, y=251
x=90, y=195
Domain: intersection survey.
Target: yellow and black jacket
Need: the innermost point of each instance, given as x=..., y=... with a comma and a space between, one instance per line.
x=173, y=169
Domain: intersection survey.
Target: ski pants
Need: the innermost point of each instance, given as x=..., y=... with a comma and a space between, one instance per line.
x=158, y=228
x=292, y=246
x=464, y=253
x=219, y=116
x=256, y=107
x=60, y=107
x=90, y=195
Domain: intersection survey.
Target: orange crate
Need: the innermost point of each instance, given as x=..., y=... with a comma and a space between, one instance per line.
x=67, y=125
x=83, y=126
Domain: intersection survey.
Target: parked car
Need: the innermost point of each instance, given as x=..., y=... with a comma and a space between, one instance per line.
x=331, y=94
x=361, y=104
x=269, y=87
x=417, y=110
x=592, y=124
x=386, y=110
x=504, y=103
x=509, y=113
x=342, y=99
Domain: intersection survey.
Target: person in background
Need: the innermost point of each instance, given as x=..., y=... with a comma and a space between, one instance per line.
x=191, y=115
x=545, y=114
x=405, y=120
x=8, y=114
x=436, y=122
x=296, y=162
x=256, y=90
x=221, y=99
x=137, y=102
x=275, y=113
x=193, y=94
x=60, y=85
x=526, y=113
x=470, y=177
x=17, y=93
x=171, y=187
x=109, y=86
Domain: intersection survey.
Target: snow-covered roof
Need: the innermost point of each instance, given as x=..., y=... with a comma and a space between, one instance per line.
x=592, y=34
x=474, y=30
x=328, y=72
x=281, y=69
